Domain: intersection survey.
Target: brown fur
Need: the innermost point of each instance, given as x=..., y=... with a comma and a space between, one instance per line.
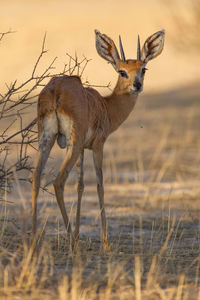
x=86, y=107
x=81, y=118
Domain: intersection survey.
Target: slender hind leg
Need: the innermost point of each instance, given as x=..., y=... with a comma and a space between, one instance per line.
x=46, y=144
x=98, y=160
x=47, y=130
x=80, y=189
x=71, y=158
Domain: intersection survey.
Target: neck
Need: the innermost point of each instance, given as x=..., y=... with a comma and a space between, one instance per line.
x=119, y=106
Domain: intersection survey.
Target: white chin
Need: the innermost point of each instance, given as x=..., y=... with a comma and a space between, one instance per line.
x=135, y=91
x=132, y=91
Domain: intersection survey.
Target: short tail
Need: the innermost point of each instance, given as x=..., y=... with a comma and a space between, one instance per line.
x=61, y=140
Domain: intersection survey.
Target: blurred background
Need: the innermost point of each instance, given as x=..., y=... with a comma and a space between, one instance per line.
x=167, y=110
x=169, y=105
x=151, y=163
x=70, y=27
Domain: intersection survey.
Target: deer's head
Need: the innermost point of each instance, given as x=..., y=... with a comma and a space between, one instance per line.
x=131, y=71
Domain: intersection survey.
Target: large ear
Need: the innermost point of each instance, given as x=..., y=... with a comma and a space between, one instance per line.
x=153, y=46
x=107, y=49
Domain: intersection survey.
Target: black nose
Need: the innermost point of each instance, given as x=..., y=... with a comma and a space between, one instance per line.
x=137, y=85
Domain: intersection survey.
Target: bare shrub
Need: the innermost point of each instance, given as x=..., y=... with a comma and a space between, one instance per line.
x=16, y=105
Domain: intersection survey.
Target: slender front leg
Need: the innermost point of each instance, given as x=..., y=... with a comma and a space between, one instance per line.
x=80, y=189
x=98, y=160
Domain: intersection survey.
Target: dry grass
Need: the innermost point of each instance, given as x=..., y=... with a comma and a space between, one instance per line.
x=152, y=202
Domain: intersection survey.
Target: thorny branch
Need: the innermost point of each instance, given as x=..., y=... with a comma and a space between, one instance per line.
x=18, y=133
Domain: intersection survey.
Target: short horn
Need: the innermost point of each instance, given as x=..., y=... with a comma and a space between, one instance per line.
x=138, y=49
x=121, y=49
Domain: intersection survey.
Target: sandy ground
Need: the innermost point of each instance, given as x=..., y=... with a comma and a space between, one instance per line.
x=152, y=204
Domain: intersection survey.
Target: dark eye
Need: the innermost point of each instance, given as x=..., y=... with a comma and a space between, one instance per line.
x=144, y=70
x=123, y=73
